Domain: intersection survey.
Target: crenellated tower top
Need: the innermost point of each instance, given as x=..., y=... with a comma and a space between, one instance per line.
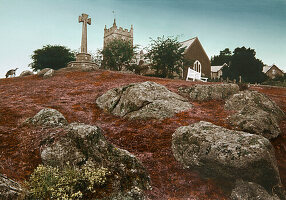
x=117, y=33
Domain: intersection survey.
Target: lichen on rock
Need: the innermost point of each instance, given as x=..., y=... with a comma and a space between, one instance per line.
x=255, y=99
x=142, y=100
x=85, y=143
x=209, y=92
x=9, y=189
x=226, y=154
x=43, y=71
x=26, y=73
x=61, y=153
x=48, y=117
x=255, y=113
x=256, y=121
x=249, y=190
x=49, y=73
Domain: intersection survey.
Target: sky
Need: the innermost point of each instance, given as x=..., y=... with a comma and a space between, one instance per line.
x=27, y=25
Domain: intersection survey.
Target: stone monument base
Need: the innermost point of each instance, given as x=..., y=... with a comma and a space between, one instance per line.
x=83, y=62
x=84, y=66
x=83, y=57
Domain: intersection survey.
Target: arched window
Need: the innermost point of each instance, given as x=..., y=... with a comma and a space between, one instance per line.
x=197, y=66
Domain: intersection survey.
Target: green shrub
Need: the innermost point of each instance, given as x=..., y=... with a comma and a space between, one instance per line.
x=69, y=183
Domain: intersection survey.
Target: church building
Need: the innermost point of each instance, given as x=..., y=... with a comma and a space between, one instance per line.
x=117, y=33
x=199, y=60
x=194, y=52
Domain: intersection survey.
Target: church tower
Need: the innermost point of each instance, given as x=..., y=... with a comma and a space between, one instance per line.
x=117, y=33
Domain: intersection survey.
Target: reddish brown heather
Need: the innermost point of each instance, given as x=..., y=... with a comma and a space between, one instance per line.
x=74, y=95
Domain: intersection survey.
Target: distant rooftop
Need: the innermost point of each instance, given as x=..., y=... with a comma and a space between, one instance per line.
x=266, y=68
x=217, y=68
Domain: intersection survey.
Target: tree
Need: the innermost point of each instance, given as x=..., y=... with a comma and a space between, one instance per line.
x=166, y=56
x=117, y=54
x=245, y=64
x=223, y=57
x=242, y=62
x=97, y=57
x=51, y=56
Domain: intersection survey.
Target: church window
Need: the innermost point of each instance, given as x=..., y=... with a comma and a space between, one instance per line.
x=197, y=66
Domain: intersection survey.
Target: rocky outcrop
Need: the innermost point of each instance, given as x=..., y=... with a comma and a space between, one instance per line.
x=256, y=121
x=49, y=73
x=142, y=100
x=89, y=68
x=255, y=113
x=255, y=99
x=9, y=189
x=209, y=92
x=46, y=73
x=78, y=66
x=85, y=143
x=48, y=117
x=43, y=71
x=252, y=191
x=226, y=154
x=26, y=73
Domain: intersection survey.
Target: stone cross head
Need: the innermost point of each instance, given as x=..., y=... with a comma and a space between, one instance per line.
x=84, y=18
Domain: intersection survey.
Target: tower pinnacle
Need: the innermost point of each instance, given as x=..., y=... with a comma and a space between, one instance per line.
x=114, y=22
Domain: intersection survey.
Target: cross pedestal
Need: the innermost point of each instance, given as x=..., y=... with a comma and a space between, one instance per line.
x=83, y=59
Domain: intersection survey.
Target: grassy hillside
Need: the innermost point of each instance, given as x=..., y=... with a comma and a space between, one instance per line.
x=74, y=94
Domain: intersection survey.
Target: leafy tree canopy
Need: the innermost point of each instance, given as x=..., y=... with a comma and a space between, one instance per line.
x=223, y=57
x=51, y=56
x=242, y=62
x=166, y=55
x=245, y=64
x=118, y=54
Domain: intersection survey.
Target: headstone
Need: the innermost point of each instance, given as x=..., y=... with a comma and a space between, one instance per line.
x=240, y=79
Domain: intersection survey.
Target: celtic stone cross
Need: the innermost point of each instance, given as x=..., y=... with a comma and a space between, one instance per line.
x=85, y=20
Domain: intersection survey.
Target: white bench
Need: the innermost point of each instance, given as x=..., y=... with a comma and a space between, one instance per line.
x=192, y=74
x=204, y=79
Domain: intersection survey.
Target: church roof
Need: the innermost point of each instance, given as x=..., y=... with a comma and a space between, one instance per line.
x=188, y=43
x=217, y=68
